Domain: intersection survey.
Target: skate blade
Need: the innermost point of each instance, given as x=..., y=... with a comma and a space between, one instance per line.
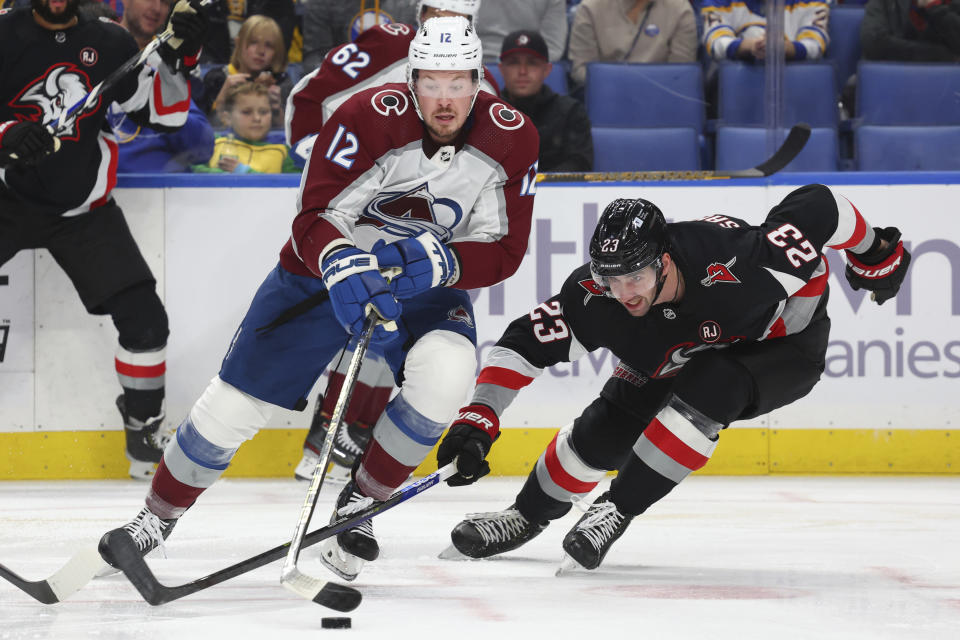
x=452, y=553
x=345, y=565
x=567, y=566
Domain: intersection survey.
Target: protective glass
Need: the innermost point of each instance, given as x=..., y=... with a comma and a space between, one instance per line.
x=628, y=285
x=444, y=86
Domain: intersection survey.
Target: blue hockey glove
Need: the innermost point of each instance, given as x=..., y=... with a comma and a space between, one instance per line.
x=353, y=279
x=424, y=260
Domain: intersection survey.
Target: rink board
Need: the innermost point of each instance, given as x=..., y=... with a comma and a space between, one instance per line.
x=888, y=401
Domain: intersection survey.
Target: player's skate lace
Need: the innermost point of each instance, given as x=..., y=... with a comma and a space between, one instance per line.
x=346, y=443
x=600, y=525
x=499, y=526
x=355, y=503
x=147, y=531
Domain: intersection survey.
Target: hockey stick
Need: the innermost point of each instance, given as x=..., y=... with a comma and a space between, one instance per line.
x=133, y=565
x=335, y=596
x=791, y=147
x=78, y=571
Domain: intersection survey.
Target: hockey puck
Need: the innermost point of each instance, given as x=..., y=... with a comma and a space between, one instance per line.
x=335, y=623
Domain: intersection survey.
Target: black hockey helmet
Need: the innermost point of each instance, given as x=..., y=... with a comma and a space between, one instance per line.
x=630, y=235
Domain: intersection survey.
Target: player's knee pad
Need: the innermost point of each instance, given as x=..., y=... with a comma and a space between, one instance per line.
x=226, y=416
x=439, y=370
x=139, y=317
x=717, y=385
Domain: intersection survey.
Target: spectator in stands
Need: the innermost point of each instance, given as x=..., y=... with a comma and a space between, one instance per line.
x=330, y=23
x=565, y=140
x=497, y=18
x=734, y=30
x=227, y=17
x=631, y=31
x=247, y=110
x=145, y=18
x=258, y=57
x=911, y=30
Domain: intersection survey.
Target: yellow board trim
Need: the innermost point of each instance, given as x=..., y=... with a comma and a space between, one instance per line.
x=273, y=453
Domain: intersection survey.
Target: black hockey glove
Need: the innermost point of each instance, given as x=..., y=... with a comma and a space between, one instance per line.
x=26, y=142
x=879, y=270
x=189, y=25
x=468, y=441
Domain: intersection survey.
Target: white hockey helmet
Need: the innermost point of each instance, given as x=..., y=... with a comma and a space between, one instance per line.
x=465, y=7
x=445, y=44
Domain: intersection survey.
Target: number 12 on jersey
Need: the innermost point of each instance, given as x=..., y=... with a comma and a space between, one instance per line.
x=343, y=156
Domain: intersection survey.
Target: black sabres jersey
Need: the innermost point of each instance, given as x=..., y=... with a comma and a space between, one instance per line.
x=741, y=283
x=43, y=72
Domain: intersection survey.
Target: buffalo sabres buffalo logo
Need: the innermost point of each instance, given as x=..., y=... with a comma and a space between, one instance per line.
x=55, y=92
x=680, y=354
x=717, y=272
x=410, y=213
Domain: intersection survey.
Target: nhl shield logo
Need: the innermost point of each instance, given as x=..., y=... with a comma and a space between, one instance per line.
x=718, y=272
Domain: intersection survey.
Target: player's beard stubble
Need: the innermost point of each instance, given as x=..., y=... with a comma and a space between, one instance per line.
x=43, y=9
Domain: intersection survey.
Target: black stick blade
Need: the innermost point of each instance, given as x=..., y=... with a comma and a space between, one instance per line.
x=338, y=597
x=39, y=590
x=790, y=149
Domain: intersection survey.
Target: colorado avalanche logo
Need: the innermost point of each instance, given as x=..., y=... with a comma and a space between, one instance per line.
x=505, y=117
x=410, y=213
x=460, y=314
x=390, y=101
x=55, y=92
x=717, y=272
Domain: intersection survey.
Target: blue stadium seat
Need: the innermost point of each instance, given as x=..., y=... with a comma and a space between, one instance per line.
x=844, y=47
x=908, y=93
x=557, y=80
x=923, y=148
x=809, y=94
x=295, y=72
x=744, y=147
x=645, y=95
x=638, y=149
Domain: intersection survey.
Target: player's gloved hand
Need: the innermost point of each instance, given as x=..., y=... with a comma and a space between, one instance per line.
x=353, y=279
x=189, y=25
x=468, y=441
x=880, y=270
x=424, y=260
x=26, y=142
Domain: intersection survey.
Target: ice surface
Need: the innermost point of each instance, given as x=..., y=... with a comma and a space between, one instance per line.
x=719, y=558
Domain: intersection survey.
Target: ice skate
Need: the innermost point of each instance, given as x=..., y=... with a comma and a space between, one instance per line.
x=145, y=442
x=346, y=554
x=590, y=539
x=147, y=531
x=350, y=442
x=483, y=535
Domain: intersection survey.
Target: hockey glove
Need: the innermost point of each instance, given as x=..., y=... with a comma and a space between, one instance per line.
x=26, y=142
x=879, y=270
x=354, y=283
x=424, y=260
x=189, y=25
x=468, y=441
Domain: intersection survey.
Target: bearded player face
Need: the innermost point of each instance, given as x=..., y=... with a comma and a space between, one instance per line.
x=55, y=11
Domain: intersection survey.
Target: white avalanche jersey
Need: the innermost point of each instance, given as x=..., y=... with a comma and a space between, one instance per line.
x=374, y=174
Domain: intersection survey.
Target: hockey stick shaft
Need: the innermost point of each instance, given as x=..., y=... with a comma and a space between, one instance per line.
x=136, y=569
x=345, y=598
x=791, y=147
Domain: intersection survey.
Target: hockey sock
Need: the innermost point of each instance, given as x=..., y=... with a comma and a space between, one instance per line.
x=142, y=376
